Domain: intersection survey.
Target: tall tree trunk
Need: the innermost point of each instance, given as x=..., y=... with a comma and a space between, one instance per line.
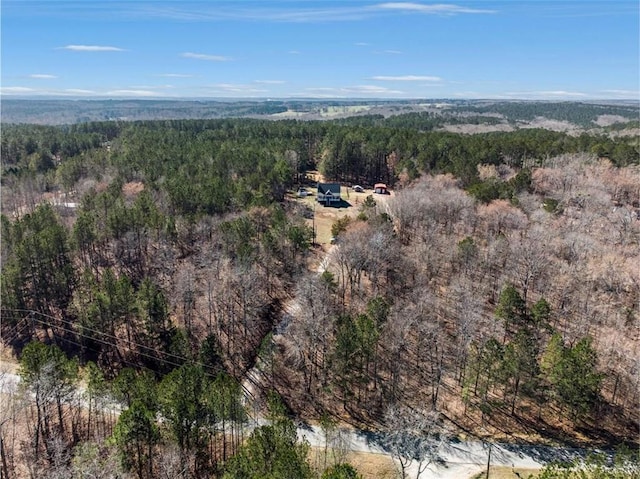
x=515, y=394
x=60, y=414
x=3, y=457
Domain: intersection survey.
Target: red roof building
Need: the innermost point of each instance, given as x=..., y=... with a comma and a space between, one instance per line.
x=380, y=188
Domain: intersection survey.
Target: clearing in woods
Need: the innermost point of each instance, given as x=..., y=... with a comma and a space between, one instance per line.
x=325, y=216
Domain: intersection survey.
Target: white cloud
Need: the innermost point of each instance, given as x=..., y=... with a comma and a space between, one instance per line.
x=355, y=90
x=42, y=76
x=431, y=9
x=406, y=78
x=546, y=94
x=175, y=75
x=262, y=11
x=390, y=52
x=623, y=93
x=300, y=15
x=315, y=95
x=203, y=56
x=131, y=93
x=560, y=93
x=237, y=88
x=294, y=52
x=79, y=91
x=149, y=87
x=373, y=89
x=361, y=44
x=92, y=48
x=323, y=88
x=13, y=90
x=270, y=82
x=18, y=90
x=312, y=15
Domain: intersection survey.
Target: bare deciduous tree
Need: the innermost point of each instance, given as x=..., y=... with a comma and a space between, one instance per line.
x=413, y=436
x=311, y=329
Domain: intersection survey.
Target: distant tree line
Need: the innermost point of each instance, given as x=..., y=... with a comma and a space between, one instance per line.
x=578, y=113
x=214, y=166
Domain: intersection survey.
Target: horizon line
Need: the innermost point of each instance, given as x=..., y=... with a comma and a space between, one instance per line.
x=315, y=98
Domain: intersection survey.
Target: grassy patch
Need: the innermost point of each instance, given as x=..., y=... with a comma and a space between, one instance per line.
x=373, y=466
x=369, y=465
x=504, y=472
x=325, y=216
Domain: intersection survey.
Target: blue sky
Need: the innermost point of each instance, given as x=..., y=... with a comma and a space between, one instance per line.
x=576, y=50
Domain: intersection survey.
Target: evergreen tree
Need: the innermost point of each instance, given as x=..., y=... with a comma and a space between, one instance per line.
x=511, y=308
x=136, y=434
x=571, y=374
x=272, y=451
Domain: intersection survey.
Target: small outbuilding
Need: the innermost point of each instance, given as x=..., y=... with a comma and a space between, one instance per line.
x=380, y=188
x=328, y=193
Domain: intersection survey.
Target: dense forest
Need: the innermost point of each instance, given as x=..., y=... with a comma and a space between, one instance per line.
x=59, y=112
x=151, y=264
x=582, y=114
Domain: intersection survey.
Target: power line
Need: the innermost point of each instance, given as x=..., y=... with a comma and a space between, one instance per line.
x=13, y=332
x=114, y=345
x=71, y=331
x=72, y=324
x=113, y=337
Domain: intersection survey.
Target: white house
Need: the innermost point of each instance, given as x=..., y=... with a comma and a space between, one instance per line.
x=328, y=193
